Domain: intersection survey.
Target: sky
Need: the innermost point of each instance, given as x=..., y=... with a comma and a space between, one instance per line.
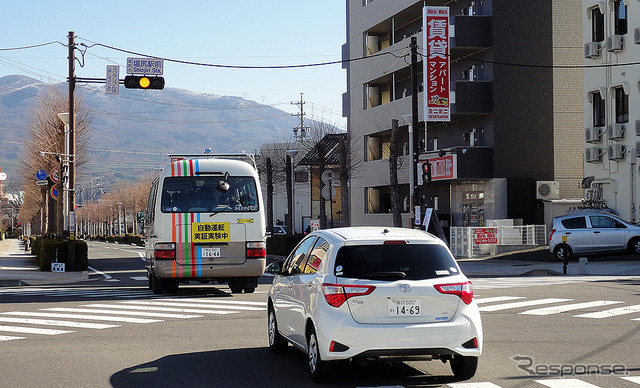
x=224, y=32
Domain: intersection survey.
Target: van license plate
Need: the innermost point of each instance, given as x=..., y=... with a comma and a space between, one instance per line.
x=404, y=307
x=210, y=252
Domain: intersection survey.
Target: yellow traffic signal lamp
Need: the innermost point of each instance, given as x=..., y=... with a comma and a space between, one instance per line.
x=143, y=82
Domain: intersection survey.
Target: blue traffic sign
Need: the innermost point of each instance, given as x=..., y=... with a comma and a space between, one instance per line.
x=41, y=175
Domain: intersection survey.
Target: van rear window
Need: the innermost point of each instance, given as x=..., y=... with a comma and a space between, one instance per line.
x=394, y=262
x=197, y=194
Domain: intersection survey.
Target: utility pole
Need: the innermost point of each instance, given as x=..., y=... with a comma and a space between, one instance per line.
x=72, y=150
x=300, y=127
x=414, y=123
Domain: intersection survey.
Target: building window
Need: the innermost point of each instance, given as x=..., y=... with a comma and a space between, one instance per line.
x=622, y=106
x=598, y=110
x=302, y=176
x=620, y=18
x=597, y=25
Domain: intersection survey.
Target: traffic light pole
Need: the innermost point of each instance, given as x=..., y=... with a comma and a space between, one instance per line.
x=414, y=123
x=72, y=151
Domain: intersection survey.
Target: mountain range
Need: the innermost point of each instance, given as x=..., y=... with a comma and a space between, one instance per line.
x=131, y=131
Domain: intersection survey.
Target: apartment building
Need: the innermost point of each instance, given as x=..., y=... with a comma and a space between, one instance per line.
x=516, y=108
x=611, y=37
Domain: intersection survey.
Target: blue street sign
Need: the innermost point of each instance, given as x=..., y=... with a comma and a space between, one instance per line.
x=41, y=175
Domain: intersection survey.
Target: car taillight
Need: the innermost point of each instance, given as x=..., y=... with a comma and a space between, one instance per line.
x=337, y=294
x=462, y=290
x=165, y=251
x=551, y=234
x=256, y=250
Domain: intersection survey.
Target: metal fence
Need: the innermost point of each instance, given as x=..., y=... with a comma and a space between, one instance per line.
x=485, y=241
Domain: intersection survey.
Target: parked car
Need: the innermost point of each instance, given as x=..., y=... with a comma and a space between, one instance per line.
x=279, y=230
x=373, y=294
x=592, y=232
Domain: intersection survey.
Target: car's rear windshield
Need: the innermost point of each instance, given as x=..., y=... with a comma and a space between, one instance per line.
x=394, y=262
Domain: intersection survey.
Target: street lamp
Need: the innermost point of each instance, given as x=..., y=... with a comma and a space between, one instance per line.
x=292, y=154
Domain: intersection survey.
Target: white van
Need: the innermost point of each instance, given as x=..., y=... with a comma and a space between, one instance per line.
x=205, y=222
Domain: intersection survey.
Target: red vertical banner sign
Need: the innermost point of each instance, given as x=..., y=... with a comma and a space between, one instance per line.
x=436, y=63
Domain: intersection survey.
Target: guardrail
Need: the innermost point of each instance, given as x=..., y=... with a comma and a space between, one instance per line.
x=484, y=241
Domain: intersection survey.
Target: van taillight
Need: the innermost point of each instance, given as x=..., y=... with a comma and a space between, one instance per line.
x=256, y=250
x=462, y=290
x=165, y=251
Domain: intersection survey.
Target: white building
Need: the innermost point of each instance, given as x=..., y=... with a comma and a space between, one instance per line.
x=611, y=36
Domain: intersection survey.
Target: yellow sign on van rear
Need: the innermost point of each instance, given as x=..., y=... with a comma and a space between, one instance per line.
x=210, y=231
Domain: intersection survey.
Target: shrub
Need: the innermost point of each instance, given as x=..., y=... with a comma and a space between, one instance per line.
x=45, y=251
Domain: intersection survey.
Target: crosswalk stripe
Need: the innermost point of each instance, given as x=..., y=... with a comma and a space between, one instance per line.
x=240, y=302
x=565, y=383
x=473, y=385
x=117, y=312
x=197, y=305
x=497, y=299
x=527, y=303
x=32, y=330
x=568, y=307
x=47, y=322
x=10, y=338
x=633, y=379
x=82, y=316
x=168, y=309
x=611, y=312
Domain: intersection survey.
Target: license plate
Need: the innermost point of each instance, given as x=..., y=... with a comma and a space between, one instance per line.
x=210, y=252
x=404, y=307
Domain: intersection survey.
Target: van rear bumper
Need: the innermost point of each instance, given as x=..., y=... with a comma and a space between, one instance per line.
x=171, y=269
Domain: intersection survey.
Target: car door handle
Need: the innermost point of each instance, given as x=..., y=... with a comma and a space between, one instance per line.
x=567, y=232
x=309, y=285
x=290, y=286
x=596, y=232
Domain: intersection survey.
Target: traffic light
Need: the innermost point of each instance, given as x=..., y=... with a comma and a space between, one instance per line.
x=426, y=173
x=143, y=82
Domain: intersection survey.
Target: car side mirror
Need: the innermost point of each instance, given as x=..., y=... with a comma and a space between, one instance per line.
x=274, y=268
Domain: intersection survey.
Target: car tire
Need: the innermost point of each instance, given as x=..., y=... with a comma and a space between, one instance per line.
x=277, y=343
x=559, y=252
x=634, y=246
x=464, y=367
x=249, y=290
x=319, y=369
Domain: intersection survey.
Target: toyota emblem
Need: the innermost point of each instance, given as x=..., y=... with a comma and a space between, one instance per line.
x=405, y=288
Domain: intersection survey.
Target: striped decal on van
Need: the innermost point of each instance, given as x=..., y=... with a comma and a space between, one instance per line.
x=186, y=252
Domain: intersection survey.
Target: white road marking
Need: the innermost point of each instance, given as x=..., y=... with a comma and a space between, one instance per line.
x=32, y=330
x=565, y=383
x=473, y=385
x=197, y=305
x=497, y=299
x=82, y=316
x=138, y=313
x=168, y=309
x=611, y=312
x=568, y=307
x=527, y=303
x=47, y=322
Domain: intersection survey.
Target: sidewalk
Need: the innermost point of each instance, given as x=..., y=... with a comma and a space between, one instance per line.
x=18, y=267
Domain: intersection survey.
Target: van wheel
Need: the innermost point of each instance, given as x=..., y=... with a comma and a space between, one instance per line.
x=249, y=290
x=150, y=279
x=463, y=367
x=160, y=286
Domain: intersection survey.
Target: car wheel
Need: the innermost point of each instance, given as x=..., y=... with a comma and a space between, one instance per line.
x=236, y=290
x=634, y=246
x=318, y=368
x=277, y=343
x=464, y=367
x=560, y=253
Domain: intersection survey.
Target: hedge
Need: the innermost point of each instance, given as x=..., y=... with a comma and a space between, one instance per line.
x=45, y=251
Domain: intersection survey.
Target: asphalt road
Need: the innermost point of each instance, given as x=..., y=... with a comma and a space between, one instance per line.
x=203, y=344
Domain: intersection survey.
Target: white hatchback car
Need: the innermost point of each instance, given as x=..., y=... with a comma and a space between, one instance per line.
x=374, y=293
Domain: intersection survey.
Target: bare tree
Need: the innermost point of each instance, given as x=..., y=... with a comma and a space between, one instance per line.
x=44, y=149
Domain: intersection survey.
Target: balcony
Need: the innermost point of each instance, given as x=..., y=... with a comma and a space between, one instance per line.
x=472, y=97
x=472, y=33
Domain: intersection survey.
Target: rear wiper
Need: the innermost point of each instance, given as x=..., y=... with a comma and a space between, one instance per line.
x=385, y=275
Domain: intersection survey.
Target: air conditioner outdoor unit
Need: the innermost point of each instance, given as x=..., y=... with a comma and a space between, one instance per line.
x=593, y=154
x=592, y=135
x=615, y=151
x=615, y=131
x=591, y=50
x=614, y=43
x=636, y=35
x=547, y=190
